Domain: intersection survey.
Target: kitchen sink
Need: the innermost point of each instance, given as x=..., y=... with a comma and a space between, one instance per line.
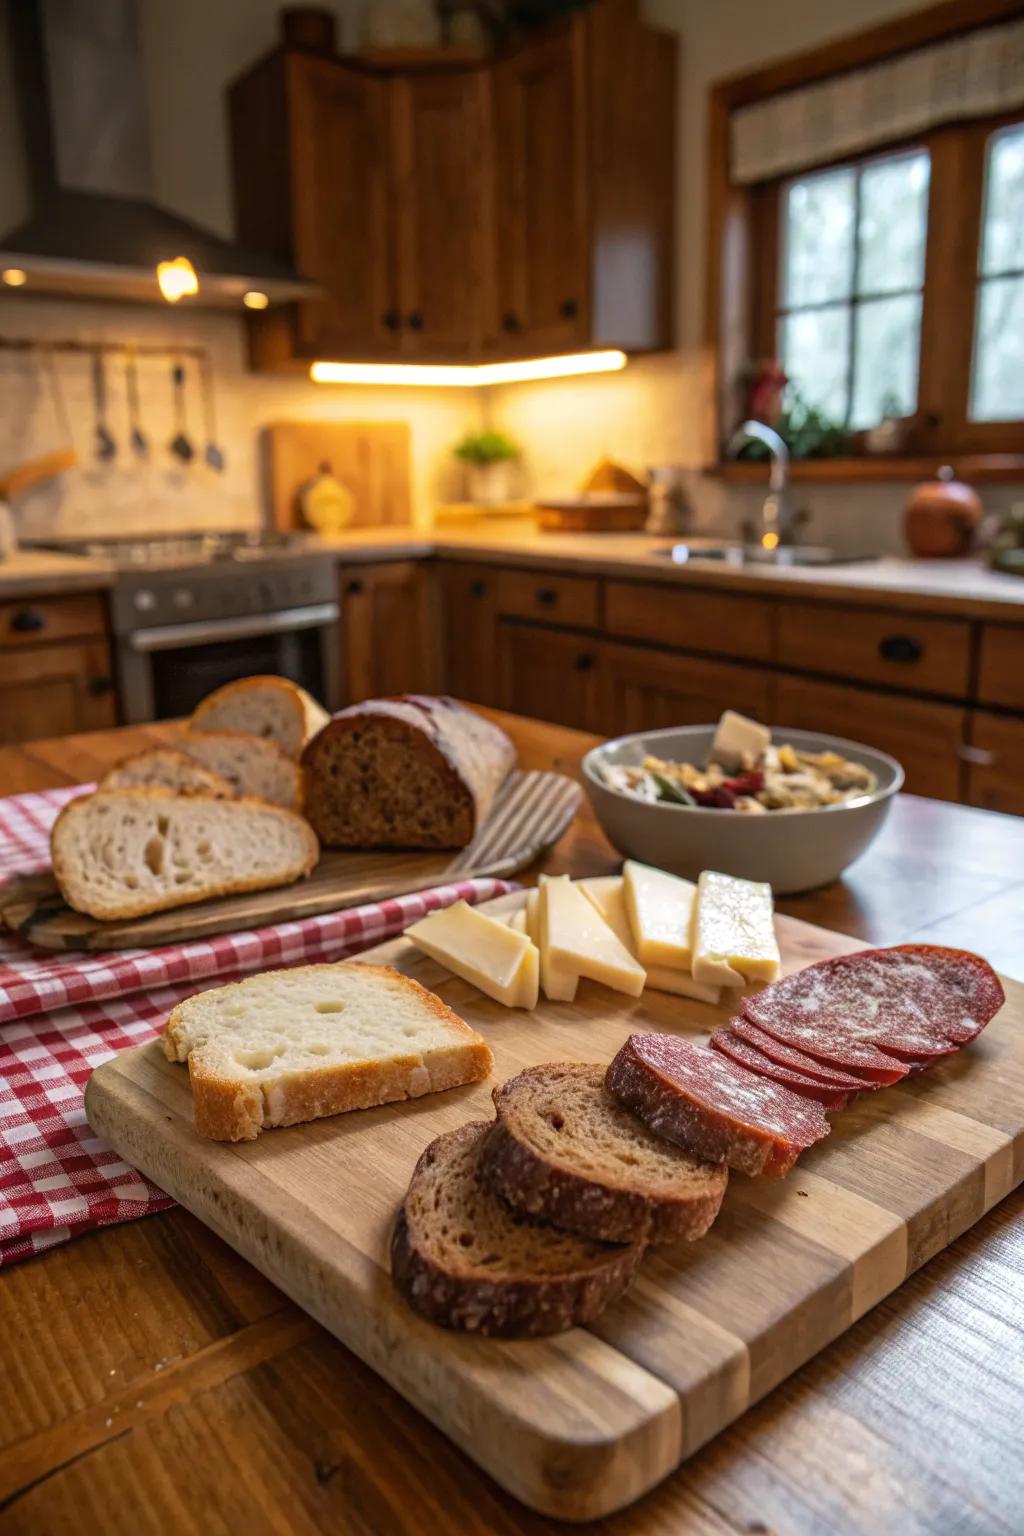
x=684, y=553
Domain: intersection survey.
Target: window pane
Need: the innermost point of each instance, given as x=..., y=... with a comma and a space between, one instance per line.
x=893, y=224
x=997, y=392
x=1003, y=240
x=888, y=346
x=815, y=355
x=818, y=246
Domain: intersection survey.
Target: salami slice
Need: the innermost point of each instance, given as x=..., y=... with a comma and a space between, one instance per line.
x=730, y=1044
x=713, y=1107
x=788, y=1056
x=882, y=1011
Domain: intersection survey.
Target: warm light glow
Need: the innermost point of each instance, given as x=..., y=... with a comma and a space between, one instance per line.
x=769, y=541
x=254, y=299
x=14, y=277
x=467, y=376
x=177, y=279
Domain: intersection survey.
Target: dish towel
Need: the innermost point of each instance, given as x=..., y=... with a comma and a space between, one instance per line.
x=56, y=1178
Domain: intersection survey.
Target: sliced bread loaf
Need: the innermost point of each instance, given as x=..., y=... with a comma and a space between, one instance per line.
x=252, y=765
x=288, y=1046
x=563, y=1149
x=167, y=768
x=266, y=706
x=465, y=1260
x=122, y=853
x=408, y=772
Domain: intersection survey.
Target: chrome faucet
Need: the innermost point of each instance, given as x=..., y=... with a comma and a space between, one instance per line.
x=777, y=522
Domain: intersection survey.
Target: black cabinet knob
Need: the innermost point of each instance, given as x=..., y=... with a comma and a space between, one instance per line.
x=355, y=586
x=547, y=597
x=27, y=621
x=584, y=662
x=509, y=321
x=391, y=319
x=477, y=588
x=901, y=648
x=98, y=686
x=568, y=309
x=415, y=321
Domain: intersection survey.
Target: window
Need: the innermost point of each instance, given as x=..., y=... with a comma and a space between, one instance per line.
x=997, y=372
x=851, y=287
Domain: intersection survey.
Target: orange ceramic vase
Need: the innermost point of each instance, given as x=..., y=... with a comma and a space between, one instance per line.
x=940, y=518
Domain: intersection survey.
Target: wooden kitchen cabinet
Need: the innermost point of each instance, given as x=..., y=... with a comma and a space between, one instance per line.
x=667, y=614
x=549, y=674
x=1001, y=665
x=469, y=593
x=995, y=763
x=53, y=690
x=390, y=632
x=644, y=690
x=901, y=650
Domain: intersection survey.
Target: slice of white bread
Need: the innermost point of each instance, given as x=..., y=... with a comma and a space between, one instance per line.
x=252, y=765
x=264, y=706
x=288, y=1046
x=123, y=853
x=167, y=768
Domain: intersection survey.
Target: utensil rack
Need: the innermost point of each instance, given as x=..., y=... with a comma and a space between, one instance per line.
x=107, y=348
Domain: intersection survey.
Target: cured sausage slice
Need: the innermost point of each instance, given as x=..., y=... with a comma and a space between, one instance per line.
x=809, y=1066
x=881, y=1011
x=730, y=1044
x=712, y=1106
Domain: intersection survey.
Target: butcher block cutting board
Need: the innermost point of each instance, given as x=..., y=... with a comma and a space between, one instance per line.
x=581, y=1424
x=370, y=458
x=530, y=813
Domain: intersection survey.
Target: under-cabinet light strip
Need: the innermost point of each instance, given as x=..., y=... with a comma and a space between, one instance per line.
x=468, y=376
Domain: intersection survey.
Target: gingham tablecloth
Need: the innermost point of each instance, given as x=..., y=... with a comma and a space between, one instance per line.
x=61, y=1016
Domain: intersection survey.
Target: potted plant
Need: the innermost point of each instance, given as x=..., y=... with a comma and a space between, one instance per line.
x=487, y=456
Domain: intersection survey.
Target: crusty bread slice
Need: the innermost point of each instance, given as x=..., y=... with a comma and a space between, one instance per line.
x=266, y=706
x=465, y=1260
x=122, y=853
x=288, y=1046
x=252, y=765
x=564, y=1150
x=167, y=768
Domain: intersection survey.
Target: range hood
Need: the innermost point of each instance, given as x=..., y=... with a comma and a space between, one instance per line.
x=95, y=231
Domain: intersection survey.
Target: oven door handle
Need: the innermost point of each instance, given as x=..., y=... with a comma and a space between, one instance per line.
x=169, y=637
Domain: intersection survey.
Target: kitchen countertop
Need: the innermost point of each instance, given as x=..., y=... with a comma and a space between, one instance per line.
x=964, y=587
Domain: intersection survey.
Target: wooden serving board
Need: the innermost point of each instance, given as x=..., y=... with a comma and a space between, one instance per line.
x=370, y=458
x=581, y=1424
x=530, y=813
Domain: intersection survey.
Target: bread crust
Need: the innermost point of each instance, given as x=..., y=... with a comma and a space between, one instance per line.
x=311, y=716
x=213, y=783
x=143, y=907
x=527, y=1307
x=230, y=1109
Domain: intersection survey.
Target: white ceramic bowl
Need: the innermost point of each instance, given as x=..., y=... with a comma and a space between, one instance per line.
x=793, y=850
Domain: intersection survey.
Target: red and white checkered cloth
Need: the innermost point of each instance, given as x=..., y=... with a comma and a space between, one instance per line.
x=56, y=1178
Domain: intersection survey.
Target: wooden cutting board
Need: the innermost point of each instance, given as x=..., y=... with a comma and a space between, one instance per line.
x=530, y=813
x=579, y=1425
x=370, y=458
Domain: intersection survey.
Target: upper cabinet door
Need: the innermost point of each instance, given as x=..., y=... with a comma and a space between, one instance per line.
x=440, y=210
x=540, y=191
x=341, y=208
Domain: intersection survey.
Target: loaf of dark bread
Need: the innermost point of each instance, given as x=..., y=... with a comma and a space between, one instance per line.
x=408, y=772
x=564, y=1150
x=462, y=1259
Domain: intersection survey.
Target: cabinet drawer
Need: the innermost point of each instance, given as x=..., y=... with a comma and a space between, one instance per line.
x=716, y=622
x=36, y=621
x=555, y=599
x=926, y=738
x=995, y=774
x=1001, y=674
x=548, y=675
x=872, y=646
x=645, y=690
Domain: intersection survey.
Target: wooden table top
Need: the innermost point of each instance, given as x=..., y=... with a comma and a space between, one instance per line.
x=154, y=1382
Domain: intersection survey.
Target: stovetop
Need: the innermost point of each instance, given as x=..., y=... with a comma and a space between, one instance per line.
x=201, y=547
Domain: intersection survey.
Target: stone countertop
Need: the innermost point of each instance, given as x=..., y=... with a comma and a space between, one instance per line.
x=38, y=573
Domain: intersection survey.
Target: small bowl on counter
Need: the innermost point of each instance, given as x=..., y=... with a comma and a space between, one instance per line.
x=794, y=850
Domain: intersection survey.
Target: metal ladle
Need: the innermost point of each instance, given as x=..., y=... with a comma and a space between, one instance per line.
x=180, y=444
x=106, y=447
x=213, y=453
x=138, y=439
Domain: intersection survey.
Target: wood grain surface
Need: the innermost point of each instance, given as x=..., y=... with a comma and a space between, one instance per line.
x=530, y=813
x=370, y=458
x=156, y=1383
x=581, y=1425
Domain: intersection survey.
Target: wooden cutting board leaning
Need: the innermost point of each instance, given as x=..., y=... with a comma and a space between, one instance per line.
x=369, y=459
x=583, y=1423
x=530, y=813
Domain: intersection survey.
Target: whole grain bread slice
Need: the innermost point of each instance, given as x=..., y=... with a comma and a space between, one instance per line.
x=565, y=1150
x=251, y=765
x=166, y=768
x=463, y=1259
x=287, y=1046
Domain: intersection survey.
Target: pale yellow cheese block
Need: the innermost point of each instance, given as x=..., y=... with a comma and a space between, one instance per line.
x=660, y=908
x=487, y=953
x=733, y=931
x=576, y=939
x=607, y=894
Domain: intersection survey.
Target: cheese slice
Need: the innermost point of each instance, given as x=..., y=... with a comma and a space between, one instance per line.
x=575, y=937
x=517, y=920
x=660, y=908
x=559, y=977
x=735, y=736
x=531, y=911
x=733, y=931
x=504, y=964
x=606, y=893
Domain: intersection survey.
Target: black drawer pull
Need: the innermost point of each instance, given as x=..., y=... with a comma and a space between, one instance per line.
x=510, y=322
x=391, y=319
x=547, y=597
x=28, y=620
x=415, y=321
x=355, y=586
x=98, y=686
x=568, y=309
x=478, y=588
x=903, y=648
x=584, y=662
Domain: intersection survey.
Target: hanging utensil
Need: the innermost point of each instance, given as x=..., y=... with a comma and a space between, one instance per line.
x=137, y=438
x=213, y=453
x=106, y=448
x=180, y=445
